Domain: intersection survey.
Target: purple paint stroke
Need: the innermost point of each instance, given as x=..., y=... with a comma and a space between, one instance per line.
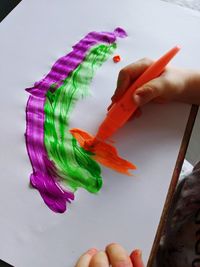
x=42, y=177
x=66, y=64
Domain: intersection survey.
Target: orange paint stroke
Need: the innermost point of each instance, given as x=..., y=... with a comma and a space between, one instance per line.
x=104, y=153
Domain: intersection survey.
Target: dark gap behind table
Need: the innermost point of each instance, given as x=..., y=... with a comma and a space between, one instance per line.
x=4, y=264
x=6, y=6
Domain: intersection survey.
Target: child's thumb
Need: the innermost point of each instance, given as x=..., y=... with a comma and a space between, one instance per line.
x=148, y=92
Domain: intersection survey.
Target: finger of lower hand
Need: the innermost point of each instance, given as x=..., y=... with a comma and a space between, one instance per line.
x=100, y=259
x=136, y=258
x=85, y=259
x=117, y=255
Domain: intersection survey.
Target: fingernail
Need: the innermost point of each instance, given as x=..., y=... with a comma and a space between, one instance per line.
x=144, y=91
x=140, y=92
x=138, y=253
x=136, y=99
x=110, y=106
x=111, y=244
x=92, y=251
x=113, y=98
x=136, y=257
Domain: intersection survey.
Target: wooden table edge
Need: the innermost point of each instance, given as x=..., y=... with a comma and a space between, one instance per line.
x=173, y=183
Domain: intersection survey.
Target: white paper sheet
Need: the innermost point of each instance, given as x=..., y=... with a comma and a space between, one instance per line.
x=127, y=209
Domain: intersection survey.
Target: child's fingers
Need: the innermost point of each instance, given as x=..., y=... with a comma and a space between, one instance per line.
x=118, y=256
x=127, y=76
x=136, y=258
x=85, y=259
x=149, y=91
x=100, y=259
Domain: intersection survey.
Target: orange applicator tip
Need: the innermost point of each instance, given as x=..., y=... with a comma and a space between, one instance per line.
x=105, y=154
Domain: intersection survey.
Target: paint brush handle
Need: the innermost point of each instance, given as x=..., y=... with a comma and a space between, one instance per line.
x=121, y=111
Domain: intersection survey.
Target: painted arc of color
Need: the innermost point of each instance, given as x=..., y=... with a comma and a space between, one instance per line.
x=43, y=176
x=73, y=164
x=65, y=65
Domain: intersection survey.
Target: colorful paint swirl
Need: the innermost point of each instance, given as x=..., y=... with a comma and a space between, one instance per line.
x=60, y=165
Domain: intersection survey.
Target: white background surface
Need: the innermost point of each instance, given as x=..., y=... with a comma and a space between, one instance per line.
x=127, y=209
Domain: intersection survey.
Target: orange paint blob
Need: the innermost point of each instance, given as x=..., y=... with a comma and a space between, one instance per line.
x=116, y=59
x=105, y=154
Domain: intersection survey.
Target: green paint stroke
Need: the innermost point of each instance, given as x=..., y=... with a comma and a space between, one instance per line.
x=73, y=165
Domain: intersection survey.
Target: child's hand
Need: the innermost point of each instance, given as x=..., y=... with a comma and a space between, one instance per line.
x=114, y=255
x=173, y=84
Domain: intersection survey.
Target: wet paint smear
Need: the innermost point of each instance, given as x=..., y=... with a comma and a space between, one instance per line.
x=60, y=165
x=104, y=153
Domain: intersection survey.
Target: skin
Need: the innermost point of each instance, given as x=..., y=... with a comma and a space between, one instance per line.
x=114, y=255
x=174, y=84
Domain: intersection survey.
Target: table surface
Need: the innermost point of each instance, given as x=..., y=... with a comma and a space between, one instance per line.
x=31, y=43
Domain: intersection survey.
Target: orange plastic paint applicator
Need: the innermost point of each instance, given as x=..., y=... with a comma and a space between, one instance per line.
x=116, y=117
x=122, y=110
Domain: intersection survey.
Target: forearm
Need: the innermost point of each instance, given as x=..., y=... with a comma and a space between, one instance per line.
x=191, y=91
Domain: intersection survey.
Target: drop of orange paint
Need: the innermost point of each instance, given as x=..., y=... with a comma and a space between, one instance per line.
x=117, y=58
